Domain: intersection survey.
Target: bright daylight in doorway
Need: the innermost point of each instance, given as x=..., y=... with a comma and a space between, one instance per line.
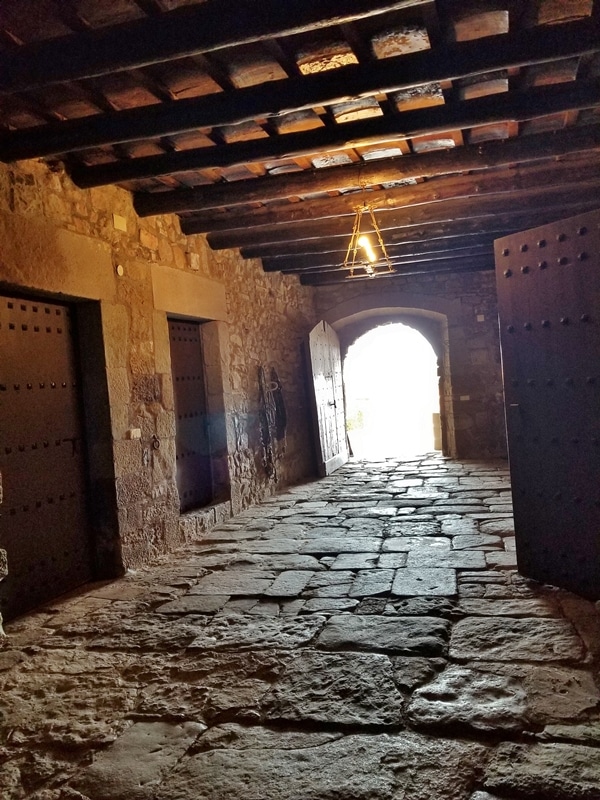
x=392, y=393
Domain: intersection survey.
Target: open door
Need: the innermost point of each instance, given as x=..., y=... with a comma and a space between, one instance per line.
x=549, y=300
x=326, y=368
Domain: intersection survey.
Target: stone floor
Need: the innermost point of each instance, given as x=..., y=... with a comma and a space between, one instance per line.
x=363, y=637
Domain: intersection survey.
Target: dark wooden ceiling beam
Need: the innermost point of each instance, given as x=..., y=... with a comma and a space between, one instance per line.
x=436, y=190
x=445, y=162
x=306, y=264
x=446, y=211
x=269, y=99
x=339, y=276
x=518, y=107
x=334, y=248
x=187, y=31
x=489, y=226
x=341, y=209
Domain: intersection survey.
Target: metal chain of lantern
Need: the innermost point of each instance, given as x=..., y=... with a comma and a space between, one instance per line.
x=370, y=263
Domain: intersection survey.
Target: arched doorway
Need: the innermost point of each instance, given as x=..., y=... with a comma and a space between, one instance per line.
x=392, y=393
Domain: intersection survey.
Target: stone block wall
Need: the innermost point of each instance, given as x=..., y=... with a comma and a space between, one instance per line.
x=472, y=350
x=89, y=245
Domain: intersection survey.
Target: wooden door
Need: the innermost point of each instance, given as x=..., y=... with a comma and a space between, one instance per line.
x=326, y=367
x=43, y=518
x=549, y=300
x=192, y=444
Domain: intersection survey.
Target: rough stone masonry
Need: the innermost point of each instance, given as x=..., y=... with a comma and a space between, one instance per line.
x=361, y=637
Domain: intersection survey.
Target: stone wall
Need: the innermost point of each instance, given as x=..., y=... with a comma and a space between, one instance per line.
x=466, y=304
x=89, y=245
x=59, y=241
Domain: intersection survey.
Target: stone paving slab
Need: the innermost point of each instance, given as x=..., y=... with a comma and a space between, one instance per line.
x=542, y=607
x=289, y=583
x=355, y=689
x=552, y=771
x=392, y=560
x=194, y=604
x=135, y=765
x=351, y=544
x=554, y=693
x=410, y=527
x=236, y=582
x=402, y=635
x=406, y=543
x=452, y=559
x=425, y=582
x=351, y=561
x=277, y=766
x=370, y=582
x=469, y=699
x=507, y=639
x=280, y=633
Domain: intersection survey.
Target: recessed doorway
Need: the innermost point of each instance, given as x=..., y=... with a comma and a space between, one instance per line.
x=392, y=393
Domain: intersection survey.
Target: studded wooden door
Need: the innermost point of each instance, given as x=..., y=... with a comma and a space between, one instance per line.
x=549, y=297
x=43, y=519
x=192, y=446
x=326, y=366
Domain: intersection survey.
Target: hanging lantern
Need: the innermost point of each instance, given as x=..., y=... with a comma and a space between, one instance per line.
x=362, y=257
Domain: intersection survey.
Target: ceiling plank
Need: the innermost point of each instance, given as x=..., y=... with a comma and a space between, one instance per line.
x=392, y=74
x=513, y=106
x=183, y=32
x=436, y=212
x=468, y=158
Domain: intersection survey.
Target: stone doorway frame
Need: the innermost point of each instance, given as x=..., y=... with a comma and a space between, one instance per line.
x=431, y=316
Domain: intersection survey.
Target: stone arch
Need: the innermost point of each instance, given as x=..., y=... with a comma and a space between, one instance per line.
x=438, y=319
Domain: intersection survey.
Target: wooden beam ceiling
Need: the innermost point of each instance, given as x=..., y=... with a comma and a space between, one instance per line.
x=186, y=31
x=265, y=124
x=470, y=158
x=446, y=211
x=400, y=73
x=516, y=107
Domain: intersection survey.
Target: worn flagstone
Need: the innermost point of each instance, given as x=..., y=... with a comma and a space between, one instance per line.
x=509, y=639
x=234, y=583
x=372, y=582
x=282, y=633
x=358, y=767
x=289, y=583
x=194, y=604
x=341, y=689
x=451, y=559
x=350, y=544
x=424, y=582
x=135, y=764
x=402, y=635
x=348, y=561
x=552, y=771
x=512, y=608
x=466, y=698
